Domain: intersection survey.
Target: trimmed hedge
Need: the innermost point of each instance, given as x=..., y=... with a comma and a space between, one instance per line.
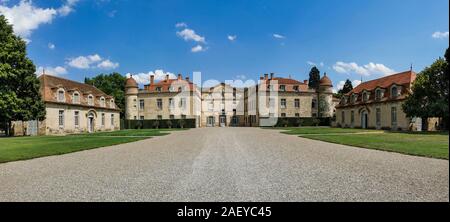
x=162, y=124
x=295, y=121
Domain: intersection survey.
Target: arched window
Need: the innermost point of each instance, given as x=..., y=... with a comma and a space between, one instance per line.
x=354, y=98
x=394, y=91
x=112, y=104
x=102, y=102
x=365, y=97
x=61, y=97
x=76, y=98
x=378, y=94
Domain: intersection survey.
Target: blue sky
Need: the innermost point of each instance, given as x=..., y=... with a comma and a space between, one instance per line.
x=233, y=39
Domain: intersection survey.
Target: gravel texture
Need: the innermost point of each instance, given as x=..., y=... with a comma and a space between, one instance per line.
x=226, y=164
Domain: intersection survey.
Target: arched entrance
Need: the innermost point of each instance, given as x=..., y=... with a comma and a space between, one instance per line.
x=91, y=121
x=364, y=119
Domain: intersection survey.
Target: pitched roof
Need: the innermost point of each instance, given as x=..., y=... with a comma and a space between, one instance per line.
x=403, y=78
x=166, y=83
x=290, y=83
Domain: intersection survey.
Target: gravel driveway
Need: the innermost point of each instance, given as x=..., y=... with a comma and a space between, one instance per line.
x=226, y=164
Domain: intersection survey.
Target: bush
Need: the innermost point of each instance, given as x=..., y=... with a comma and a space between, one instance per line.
x=162, y=124
x=169, y=124
x=296, y=121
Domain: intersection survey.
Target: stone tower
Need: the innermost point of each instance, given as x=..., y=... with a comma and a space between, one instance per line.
x=325, y=97
x=131, y=94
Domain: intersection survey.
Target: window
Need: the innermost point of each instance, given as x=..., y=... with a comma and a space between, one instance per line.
x=76, y=98
x=159, y=104
x=378, y=94
x=61, y=118
x=313, y=103
x=393, y=116
x=365, y=97
x=135, y=102
x=61, y=95
x=112, y=120
x=378, y=117
x=102, y=102
x=141, y=117
x=171, y=89
x=171, y=103
x=135, y=117
x=183, y=116
x=159, y=117
x=394, y=92
x=352, y=117
x=141, y=104
x=103, y=119
x=282, y=88
x=297, y=115
x=343, y=117
x=183, y=103
x=354, y=98
x=296, y=88
x=171, y=117
x=90, y=100
x=158, y=89
x=112, y=104
x=283, y=103
x=297, y=103
x=76, y=118
x=283, y=114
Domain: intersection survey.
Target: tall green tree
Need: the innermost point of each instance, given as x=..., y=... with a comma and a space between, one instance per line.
x=314, y=78
x=429, y=96
x=20, y=98
x=348, y=87
x=112, y=84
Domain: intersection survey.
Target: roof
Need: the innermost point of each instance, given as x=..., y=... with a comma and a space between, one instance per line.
x=166, y=83
x=289, y=84
x=325, y=81
x=50, y=84
x=403, y=78
x=131, y=82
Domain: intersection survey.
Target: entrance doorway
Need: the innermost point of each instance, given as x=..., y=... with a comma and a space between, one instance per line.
x=223, y=121
x=90, y=119
x=210, y=121
x=364, y=120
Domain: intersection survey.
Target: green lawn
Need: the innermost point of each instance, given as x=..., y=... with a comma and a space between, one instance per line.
x=22, y=148
x=434, y=145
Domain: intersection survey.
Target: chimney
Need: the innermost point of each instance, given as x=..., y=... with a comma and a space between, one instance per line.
x=152, y=79
x=167, y=77
x=180, y=77
x=305, y=81
x=187, y=78
x=266, y=76
x=271, y=75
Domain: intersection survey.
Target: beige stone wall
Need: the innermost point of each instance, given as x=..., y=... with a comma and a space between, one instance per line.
x=402, y=121
x=52, y=119
x=151, y=111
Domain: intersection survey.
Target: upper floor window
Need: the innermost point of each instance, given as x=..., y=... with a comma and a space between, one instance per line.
x=296, y=88
x=112, y=104
x=394, y=91
x=283, y=103
x=313, y=103
x=141, y=104
x=90, y=100
x=171, y=89
x=378, y=94
x=76, y=98
x=297, y=103
x=61, y=97
x=159, y=104
x=171, y=103
x=102, y=102
x=354, y=98
x=282, y=88
x=158, y=89
x=365, y=97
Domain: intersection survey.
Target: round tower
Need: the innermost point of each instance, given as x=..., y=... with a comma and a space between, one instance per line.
x=325, y=94
x=131, y=96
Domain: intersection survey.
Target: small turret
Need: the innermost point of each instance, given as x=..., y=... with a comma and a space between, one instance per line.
x=326, y=96
x=131, y=95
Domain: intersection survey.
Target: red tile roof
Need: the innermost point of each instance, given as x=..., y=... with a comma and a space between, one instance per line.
x=403, y=78
x=166, y=83
x=289, y=84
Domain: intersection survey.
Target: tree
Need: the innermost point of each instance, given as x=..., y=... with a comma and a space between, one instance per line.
x=112, y=84
x=20, y=98
x=347, y=88
x=429, y=96
x=314, y=78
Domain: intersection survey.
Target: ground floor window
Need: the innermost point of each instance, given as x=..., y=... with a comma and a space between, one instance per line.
x=283, y=114
x=393, y=117
x=343, y=117
x=141, y=117
x=159, y=117
x=352, y=117
x=112, y=119
x=61, y=118
x=297, y=115
x=172, y=117
x=77, y=118
x=378, y=117
x=103, y=119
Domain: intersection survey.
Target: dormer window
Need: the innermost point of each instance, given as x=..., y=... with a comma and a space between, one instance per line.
x=61, y=97
x=180, y=89
x=296, y=88
x=76, y=98
x=90, y=100
x=365, y=97
x=378, y=94
x=354, y=98
x=394, y=91
x=158, y=89
x=102, y=102
x=344, y=100
x=112, y=105
x=282, y=88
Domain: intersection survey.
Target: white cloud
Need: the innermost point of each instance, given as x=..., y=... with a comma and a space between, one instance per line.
x=278, y=36
x=26, y=17
x=144, y=78
x=365, y=70
x=112, y=13
x=198, y=48
x=107, y=64
x=440, y=35
x=190, y=35
x=232, y=37
x=321, y=64
x=181, y=25
x=51, y=45
x=91, y=61
x=55, y=71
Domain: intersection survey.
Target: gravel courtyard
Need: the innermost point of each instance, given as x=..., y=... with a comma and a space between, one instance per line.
x=226, y=164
